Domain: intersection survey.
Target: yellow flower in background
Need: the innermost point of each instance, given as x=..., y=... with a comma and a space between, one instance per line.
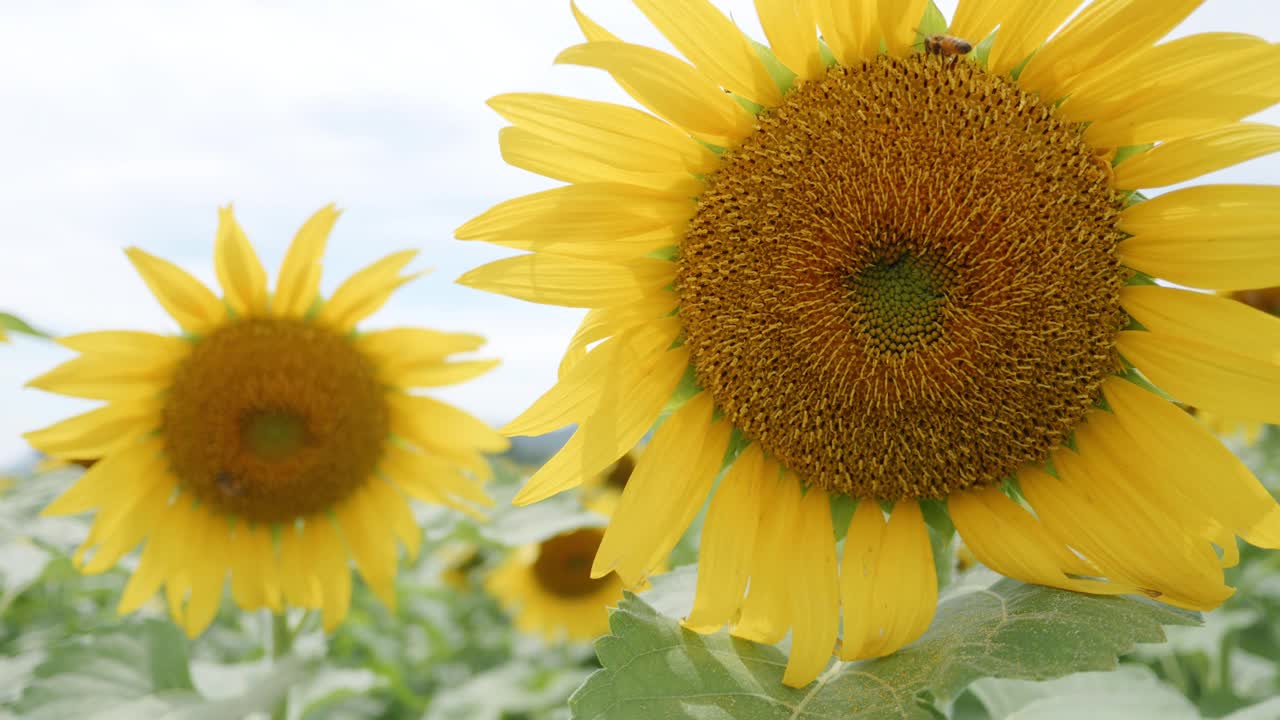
x=271, y=442
x=894, y=277
x=550, y=590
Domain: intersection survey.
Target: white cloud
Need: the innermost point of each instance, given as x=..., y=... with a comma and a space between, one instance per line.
x=129, y=122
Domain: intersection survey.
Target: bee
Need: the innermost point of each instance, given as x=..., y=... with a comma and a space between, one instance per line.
x=946, y=45
x=228, y=484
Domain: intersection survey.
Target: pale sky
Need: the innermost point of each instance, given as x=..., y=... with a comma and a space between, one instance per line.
x=129, y=123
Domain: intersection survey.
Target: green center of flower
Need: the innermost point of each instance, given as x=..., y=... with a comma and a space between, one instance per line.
x=900, y=302
x=272, y=434
x=904, y=283
x=563, y=567
x=274, y=419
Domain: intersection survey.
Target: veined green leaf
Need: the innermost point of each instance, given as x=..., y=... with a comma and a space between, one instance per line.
x=653, y=668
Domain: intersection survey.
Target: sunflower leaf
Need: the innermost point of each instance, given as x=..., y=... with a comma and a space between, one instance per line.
x=654, y=668
x=133, y=670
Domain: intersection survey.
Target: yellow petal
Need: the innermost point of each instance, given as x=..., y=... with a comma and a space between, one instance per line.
x=766, y=614
x=728, y=538
x=620, y=136
x=1213, y=319
x=97, y=433
x=1213, y=236
x=1188, y=453
x=391, y=505
x=605, y=322
x=152, y=570
x=443, y=374
x=422, y=474
x=367, y=290
x=240, y=273
x=578, y=394
x=248, y=584
x=888, y=585
x=298, y=582
x=1204, y=375
x=187, y=301
x=898, y=22
x=1211, y=92
x=669, y=88
x=1024, y=28
x=127, y=488
x=118, y=377
x=439, y=426
x=590, y=29
x=715, y=46
x=790, y=27
x=298, y=286
x=142, y=346
x=572, y=282
x=162, y=558
x=975, y=19
x=1106, y=91
x=1248, y=260
x=1190, y=157
x=1105, y=31
x=610, y=433
x=327, y=557
x=529, y=151
x=850, y=27
x=1106, y=443
x=402, y=351
x=1232, y=210
x=813, y=589
x=1091, y=507
x=603, y=220
x=372, y=545
x=208, y=569
x=665, y=492
x=1013, y=542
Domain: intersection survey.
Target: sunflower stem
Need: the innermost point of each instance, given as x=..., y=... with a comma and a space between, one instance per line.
x=281, y=646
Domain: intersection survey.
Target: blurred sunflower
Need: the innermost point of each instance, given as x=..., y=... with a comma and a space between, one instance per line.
x=853, y=269
x=271, y=441
x=550, y=590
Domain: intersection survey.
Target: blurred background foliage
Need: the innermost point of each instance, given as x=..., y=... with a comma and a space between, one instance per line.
x=451, y=651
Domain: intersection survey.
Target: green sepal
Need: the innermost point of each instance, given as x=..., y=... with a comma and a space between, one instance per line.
x=781, y=75
x=842, y=507
x=1128, y=151
x=982, y=50
x=942, y=537
x=828, y=57
x=17, y=324
x=933, y=22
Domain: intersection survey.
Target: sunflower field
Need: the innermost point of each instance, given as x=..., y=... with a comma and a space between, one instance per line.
x=922, y=365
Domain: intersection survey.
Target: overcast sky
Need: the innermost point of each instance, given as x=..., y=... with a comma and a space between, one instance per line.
x=129, y=123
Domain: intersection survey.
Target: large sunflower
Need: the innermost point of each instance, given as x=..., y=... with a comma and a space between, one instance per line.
x=855, y=271
x=271, y=442
x=549, y=588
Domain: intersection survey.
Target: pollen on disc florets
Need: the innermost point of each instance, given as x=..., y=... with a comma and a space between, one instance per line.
x=273, y=419
x=904, y=282
x=564, y=562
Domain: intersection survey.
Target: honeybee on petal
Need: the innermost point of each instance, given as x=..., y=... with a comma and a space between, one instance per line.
x=946, y=45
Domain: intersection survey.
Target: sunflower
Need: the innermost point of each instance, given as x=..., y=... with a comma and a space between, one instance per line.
x=550, y=589
x=271, y=441
x=857, y=272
